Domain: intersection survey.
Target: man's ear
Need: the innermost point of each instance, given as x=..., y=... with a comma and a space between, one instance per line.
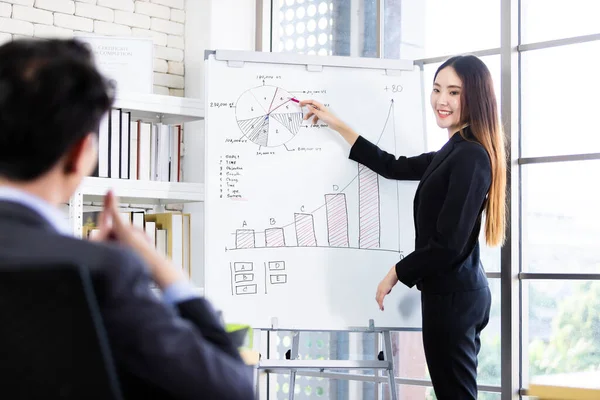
x=82, y=157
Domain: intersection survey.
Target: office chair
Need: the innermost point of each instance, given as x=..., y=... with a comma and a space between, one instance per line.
x=52, y=339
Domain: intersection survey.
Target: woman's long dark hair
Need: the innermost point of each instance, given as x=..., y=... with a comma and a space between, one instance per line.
x=480, y=111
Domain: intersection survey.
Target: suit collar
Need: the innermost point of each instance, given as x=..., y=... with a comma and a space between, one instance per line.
x=44, y=209
x=16, y=213
x=441, y=155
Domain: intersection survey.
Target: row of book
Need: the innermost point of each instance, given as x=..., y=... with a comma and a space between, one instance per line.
x=170, y=233
x=138, y=150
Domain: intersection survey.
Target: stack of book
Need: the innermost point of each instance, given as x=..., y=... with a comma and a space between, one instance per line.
x=170, y=232
x=138, y=150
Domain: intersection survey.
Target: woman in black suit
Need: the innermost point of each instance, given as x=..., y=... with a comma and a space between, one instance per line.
x=458, y=183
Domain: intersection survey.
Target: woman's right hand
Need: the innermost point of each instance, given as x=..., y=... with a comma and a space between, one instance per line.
x=318, y=111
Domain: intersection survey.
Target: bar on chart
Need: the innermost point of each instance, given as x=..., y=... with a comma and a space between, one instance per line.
x=274, y=237
x=305, y=230
x=368, y=208
x=244, y=239
x=337, y=220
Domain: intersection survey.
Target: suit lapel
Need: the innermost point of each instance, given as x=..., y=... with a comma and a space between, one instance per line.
x=438, y=159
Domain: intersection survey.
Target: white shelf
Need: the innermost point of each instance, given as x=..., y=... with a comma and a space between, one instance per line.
x=160, y=108
x=142, y=192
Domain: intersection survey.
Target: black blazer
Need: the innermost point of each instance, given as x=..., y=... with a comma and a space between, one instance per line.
x=448, y=204
x=161, y=352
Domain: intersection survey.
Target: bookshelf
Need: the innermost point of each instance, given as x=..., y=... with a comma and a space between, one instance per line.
x=142, y=192
x=147, y=108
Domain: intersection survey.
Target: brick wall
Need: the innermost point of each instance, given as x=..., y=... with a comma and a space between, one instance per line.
x=162, y=20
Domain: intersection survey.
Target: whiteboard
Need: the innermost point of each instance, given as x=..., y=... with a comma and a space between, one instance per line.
x=297, y=235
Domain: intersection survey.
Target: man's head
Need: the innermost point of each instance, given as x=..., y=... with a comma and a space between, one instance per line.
x=52, y=99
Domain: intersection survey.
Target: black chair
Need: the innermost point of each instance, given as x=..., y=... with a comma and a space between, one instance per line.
x=52, y=340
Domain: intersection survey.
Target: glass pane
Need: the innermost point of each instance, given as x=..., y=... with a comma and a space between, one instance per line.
x=431, y=28
x=559, y=115
x=325, y=27
x=564, y=331
x=547, y=20
x=410, y=358
x=561, y=226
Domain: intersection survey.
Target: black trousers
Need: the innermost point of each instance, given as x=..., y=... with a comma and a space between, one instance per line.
x=452, y=324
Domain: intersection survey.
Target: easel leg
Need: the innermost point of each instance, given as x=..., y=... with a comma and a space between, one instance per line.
x=293, y=356
x=389, y=357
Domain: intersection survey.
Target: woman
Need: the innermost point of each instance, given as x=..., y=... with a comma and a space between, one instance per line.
x=466, y=177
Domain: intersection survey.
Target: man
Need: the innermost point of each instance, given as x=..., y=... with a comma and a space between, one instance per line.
x=51, y=101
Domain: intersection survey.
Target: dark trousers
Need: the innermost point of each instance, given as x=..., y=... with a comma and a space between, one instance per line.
x=452, y=324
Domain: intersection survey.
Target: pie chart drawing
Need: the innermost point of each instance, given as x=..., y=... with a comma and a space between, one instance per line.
x=267, y=116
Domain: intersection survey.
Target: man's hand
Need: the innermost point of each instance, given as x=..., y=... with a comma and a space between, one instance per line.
x=113, y=228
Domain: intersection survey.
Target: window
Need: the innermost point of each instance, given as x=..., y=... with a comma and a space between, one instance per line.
x=564, y=331
x=325, y=27
x=548, y=20
x=560, y=223
x=559, y=89
x=433, y=28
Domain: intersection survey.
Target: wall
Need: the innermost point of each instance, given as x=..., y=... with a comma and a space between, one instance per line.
x=211, y=24
x=162, y=20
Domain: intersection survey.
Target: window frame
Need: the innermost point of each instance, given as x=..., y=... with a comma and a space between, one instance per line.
x=514, y=321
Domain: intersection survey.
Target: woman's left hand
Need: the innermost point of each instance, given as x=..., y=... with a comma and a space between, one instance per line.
x=385, y=286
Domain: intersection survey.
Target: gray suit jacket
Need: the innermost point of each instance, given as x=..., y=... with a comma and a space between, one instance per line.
x=160, y=351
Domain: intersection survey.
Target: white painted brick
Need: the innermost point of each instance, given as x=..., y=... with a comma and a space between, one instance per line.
x=5, y=10
x=17, y=27
x=171, y=3
x=168, y=80
x=176, y=92
x=5, y=38
x=153, y=10
x=21, y=2
x=48, y=31
x=159, y=39
x=161, y=90
x=160, y=65
x=62, y=6
x=166, y=26
x=176, y=42
x=73, y=22
x=132, y=19
x=177, y=15
x=168, y=54
x=94, y=12
x=175, y=68
x=32, y=15
x=108, y=28
x=125, y=5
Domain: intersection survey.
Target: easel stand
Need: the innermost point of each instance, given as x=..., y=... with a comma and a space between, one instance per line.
x=293, y=365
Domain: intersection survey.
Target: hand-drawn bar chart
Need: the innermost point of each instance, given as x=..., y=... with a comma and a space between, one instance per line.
x=368, y=193
x=336, y=210
x=337, y=220
x=302, y=231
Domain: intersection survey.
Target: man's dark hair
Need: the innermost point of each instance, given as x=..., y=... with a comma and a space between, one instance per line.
x=51, y=96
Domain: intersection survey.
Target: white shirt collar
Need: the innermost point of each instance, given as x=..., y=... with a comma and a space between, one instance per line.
x=49, y=212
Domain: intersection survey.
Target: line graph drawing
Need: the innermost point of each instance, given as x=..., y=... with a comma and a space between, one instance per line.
x=336, y=218
x=267, y=116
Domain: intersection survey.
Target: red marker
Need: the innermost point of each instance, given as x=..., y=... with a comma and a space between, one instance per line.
x=294, y=100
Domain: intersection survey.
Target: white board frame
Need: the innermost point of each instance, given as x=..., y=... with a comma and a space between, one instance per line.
x=236, y=58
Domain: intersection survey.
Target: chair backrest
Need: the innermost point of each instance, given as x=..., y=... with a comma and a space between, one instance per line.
x=52, y=340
